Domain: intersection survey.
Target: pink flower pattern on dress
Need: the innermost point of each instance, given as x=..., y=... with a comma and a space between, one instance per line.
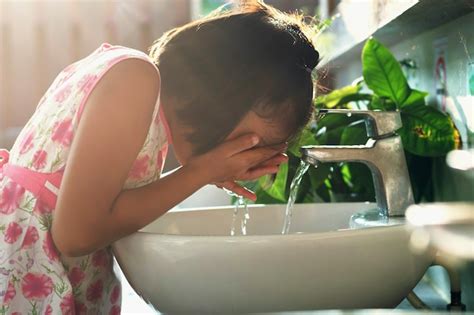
x=70, y=69
x=31, y=237
x=49, y=310
x=4, y=157
x=27, y=143
x=87, y=83
x=10, y=197
x=42, y=207
x=114, y=296
x=76, y=275
x=81, y=309
x=95, y=291
x=51, y=282
x=115, y=310
x=67, y=73
x=36, y=286
x=67, y=305
x=13, y=232
x=10, y=294
x=140, y=167
x=100, y=259
x=63, y=93
x=39, y=159
x=49, y=248
x=63, y=132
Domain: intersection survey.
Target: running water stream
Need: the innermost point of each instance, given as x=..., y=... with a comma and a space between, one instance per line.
x=241, y=203
x=295, y=184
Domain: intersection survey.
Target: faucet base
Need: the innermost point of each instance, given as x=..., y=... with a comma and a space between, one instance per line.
x=373, y=218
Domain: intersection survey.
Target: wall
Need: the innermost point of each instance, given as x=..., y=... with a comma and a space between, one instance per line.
x=39, y=38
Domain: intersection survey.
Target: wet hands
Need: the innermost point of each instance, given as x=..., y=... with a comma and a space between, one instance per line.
x=239, y=159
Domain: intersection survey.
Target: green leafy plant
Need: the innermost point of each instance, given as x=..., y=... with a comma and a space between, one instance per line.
x=426, y=133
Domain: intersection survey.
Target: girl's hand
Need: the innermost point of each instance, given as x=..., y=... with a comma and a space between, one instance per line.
x=236, y=188
x=238, y=159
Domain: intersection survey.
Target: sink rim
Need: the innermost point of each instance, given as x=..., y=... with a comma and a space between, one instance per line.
x=357, y=207
x=320, y=235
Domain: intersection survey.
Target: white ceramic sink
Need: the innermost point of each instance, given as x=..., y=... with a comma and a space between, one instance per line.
x=186, y=261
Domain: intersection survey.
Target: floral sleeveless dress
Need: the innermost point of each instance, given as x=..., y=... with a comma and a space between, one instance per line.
x=34, y=277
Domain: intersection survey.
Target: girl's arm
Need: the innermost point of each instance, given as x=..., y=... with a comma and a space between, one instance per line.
x=92, y=210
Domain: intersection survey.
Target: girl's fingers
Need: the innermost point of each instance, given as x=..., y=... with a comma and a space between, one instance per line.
x=258, y=155
x=259, y=172
x=239, y=190
x=242, y=143
x=274, y=161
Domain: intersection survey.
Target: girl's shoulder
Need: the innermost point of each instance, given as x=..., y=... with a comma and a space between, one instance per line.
x=104, y=57
x=52, y=126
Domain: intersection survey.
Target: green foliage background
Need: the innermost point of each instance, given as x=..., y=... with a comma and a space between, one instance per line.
x=426, y=133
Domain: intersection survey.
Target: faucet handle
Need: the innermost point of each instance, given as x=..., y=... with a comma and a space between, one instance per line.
x=378, y=123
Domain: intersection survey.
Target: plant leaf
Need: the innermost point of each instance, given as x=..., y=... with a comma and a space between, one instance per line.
x=330, y=128
x=353, y=98
x=332, y=99
x=277, y=189
x=318, y=175
x=415, y=98
x=305, y=137
x=263, y=197
x=382, y=103
x=420, y=169
x=354, y=134
x=382, y=72
x=427, y=132
x=359, y=178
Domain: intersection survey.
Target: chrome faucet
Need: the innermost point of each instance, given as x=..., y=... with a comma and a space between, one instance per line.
x=383, y=154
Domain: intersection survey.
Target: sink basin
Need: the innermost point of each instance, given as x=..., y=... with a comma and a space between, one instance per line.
x=186, y=261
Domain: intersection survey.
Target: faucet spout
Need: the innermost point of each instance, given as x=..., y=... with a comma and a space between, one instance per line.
x=386, y=160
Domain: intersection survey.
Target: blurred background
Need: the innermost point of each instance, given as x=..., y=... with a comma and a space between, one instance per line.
x=38, y=38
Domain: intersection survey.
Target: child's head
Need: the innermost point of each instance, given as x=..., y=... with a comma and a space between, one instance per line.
x=250, y=66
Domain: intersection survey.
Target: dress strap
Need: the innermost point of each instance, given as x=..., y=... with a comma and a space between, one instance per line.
x=44, y=186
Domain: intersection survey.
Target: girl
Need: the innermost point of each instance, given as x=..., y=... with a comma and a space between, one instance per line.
x=231, y=90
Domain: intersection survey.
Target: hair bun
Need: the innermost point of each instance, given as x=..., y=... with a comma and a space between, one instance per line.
x=312, y=59
x=307, y=54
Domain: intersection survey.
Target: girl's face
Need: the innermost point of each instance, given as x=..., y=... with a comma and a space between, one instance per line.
x=270, y=133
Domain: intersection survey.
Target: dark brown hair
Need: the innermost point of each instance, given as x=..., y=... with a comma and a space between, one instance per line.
x=218, y=68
